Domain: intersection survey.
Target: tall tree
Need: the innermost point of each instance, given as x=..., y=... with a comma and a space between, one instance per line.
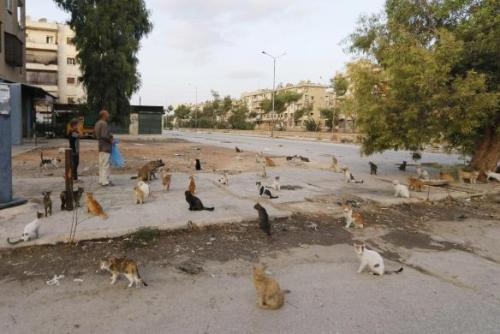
x=107, y=37
x=433, y=74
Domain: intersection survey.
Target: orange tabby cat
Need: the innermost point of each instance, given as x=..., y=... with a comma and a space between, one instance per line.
x=192, y=185
x=471, y=176
x=94, y=207
x=269, y=294
x=415, y=184
x=446, y=177
x=270, y=162
x=166, y=179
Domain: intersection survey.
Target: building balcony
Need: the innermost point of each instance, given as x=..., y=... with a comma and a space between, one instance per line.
x=40, y=46
x=42, y=67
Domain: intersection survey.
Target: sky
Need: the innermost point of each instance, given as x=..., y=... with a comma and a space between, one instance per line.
x=217, y=44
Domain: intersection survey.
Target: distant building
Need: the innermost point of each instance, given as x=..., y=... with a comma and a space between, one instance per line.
x=51, y=61
x=313, y=96
x=12, y=51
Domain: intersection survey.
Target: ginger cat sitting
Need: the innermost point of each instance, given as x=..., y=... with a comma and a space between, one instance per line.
x=166, y=179
x=192, y=185
x=415, y=183
x=94, y=207
x=269, y=294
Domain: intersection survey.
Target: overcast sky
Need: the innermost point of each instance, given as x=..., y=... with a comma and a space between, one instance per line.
x=217, y=44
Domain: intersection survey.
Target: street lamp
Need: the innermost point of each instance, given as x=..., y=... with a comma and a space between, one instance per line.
x=274, y=83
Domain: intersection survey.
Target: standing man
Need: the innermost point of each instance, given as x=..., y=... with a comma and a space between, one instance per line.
x=105, y=139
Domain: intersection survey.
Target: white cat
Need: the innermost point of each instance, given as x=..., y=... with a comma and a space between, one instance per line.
x=30, y=231
x=145, y=188
x=224, y=179
x=422, y=173
x=400, y=190
x=493, y=175
x=276, y=183
x=372, y=259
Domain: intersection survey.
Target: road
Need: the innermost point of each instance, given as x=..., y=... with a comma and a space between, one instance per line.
x=348, y=154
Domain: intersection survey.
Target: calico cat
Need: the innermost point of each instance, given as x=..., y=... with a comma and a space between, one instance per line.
x=264, y=223
x=352, y=217
x=263, y=191
x=51, y=162
x=349, y=177
x=373, y=168
x=94, y=207
x=490, y=175
x=166, y=180
x=124, y=266
x=400, y=190
x=402, y=167
x=415, y=184
x=195, y=203
x=30, y=231
x=422, y=173
x=471, y=176
x=77, y=194
x=446, y=177
x=192, y=185
x=224, y=179
x=372, y=259
x=147, y=172
x=198, y=164
x=270, y=162
x=276, y=183
x=269, y=294
x=47, y=203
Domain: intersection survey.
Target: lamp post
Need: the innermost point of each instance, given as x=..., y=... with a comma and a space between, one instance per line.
x=274, y=85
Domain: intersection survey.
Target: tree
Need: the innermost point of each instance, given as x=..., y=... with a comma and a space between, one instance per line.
x=433, y=74
x=301, y=112
x=238, y=118
x=331, y=115
x=311, y=125
x=182, y=112
x=107, y=37
x=281, y=101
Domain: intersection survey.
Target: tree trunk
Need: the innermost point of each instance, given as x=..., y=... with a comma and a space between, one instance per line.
x=487, y=152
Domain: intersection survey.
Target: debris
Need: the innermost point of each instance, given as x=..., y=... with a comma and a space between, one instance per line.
x=54, y=280
x=179, y=155
x=312, y=225
x=78, y=280
x=461, y=217
x=196, y=149
x=189, y=267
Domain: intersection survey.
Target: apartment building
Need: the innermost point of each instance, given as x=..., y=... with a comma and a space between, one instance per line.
x=12, y=41
x=51, y=61
x=313, y=96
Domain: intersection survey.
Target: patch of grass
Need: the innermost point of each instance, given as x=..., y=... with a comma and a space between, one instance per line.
x=142, y=238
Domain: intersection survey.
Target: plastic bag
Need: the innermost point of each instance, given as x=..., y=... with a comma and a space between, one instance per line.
x=116, y=157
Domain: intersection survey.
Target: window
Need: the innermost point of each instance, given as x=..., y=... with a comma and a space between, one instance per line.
x=13, y=50
x=49, y=39
x=8, y=5
x=71, y=61
x=69, y=40
x=70, y=80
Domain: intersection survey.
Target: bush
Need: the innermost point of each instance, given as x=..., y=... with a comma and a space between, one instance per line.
x=311, y=125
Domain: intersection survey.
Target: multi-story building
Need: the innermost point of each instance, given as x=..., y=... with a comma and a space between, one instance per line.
x=313, y=97
x=12, y=51
x=51, y=61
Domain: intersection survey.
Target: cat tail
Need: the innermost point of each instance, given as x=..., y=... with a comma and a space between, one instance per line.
x=394, y=271
x=273, y=197
x=209, y=209
x=14, y=242
x=134, y=177
x=286, y=291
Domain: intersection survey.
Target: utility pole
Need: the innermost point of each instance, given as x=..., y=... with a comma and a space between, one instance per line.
x=274, y=86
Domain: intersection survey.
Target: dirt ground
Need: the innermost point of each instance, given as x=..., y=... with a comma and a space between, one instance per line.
x=179, y=156
x=406, y=225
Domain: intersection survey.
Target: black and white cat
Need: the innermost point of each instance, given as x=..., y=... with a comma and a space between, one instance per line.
x=51, y=162
x=372, y=259
x=349, y=178
x=30, y=231
x=224, y=179
x=264, y=191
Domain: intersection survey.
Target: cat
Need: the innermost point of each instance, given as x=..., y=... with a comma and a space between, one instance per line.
x=446, y=177
x=94, y=207
x=276, y=183
x=352, y=217
x=77, y=194
x=224, y=179
x=192, y=185
x=139, y=195
x=270, y=162
x=264, y=223
x=349, y=177
x=400, y=190
x=415, y=184
x=422, y=173
x=198, y=164
x=492, y=175
x=263, y=174
x=263, y=191
x=147, y=172
x=30, y=231
x=145, y=188
x=166, y=179
x=124, y=266
x=373, y=168
x=47, y=203
x=195, y=203
x=269, y=294
x=51, y=162
x=402, y=167
x=372, y=259
x=237, y=149
x=471, y=176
